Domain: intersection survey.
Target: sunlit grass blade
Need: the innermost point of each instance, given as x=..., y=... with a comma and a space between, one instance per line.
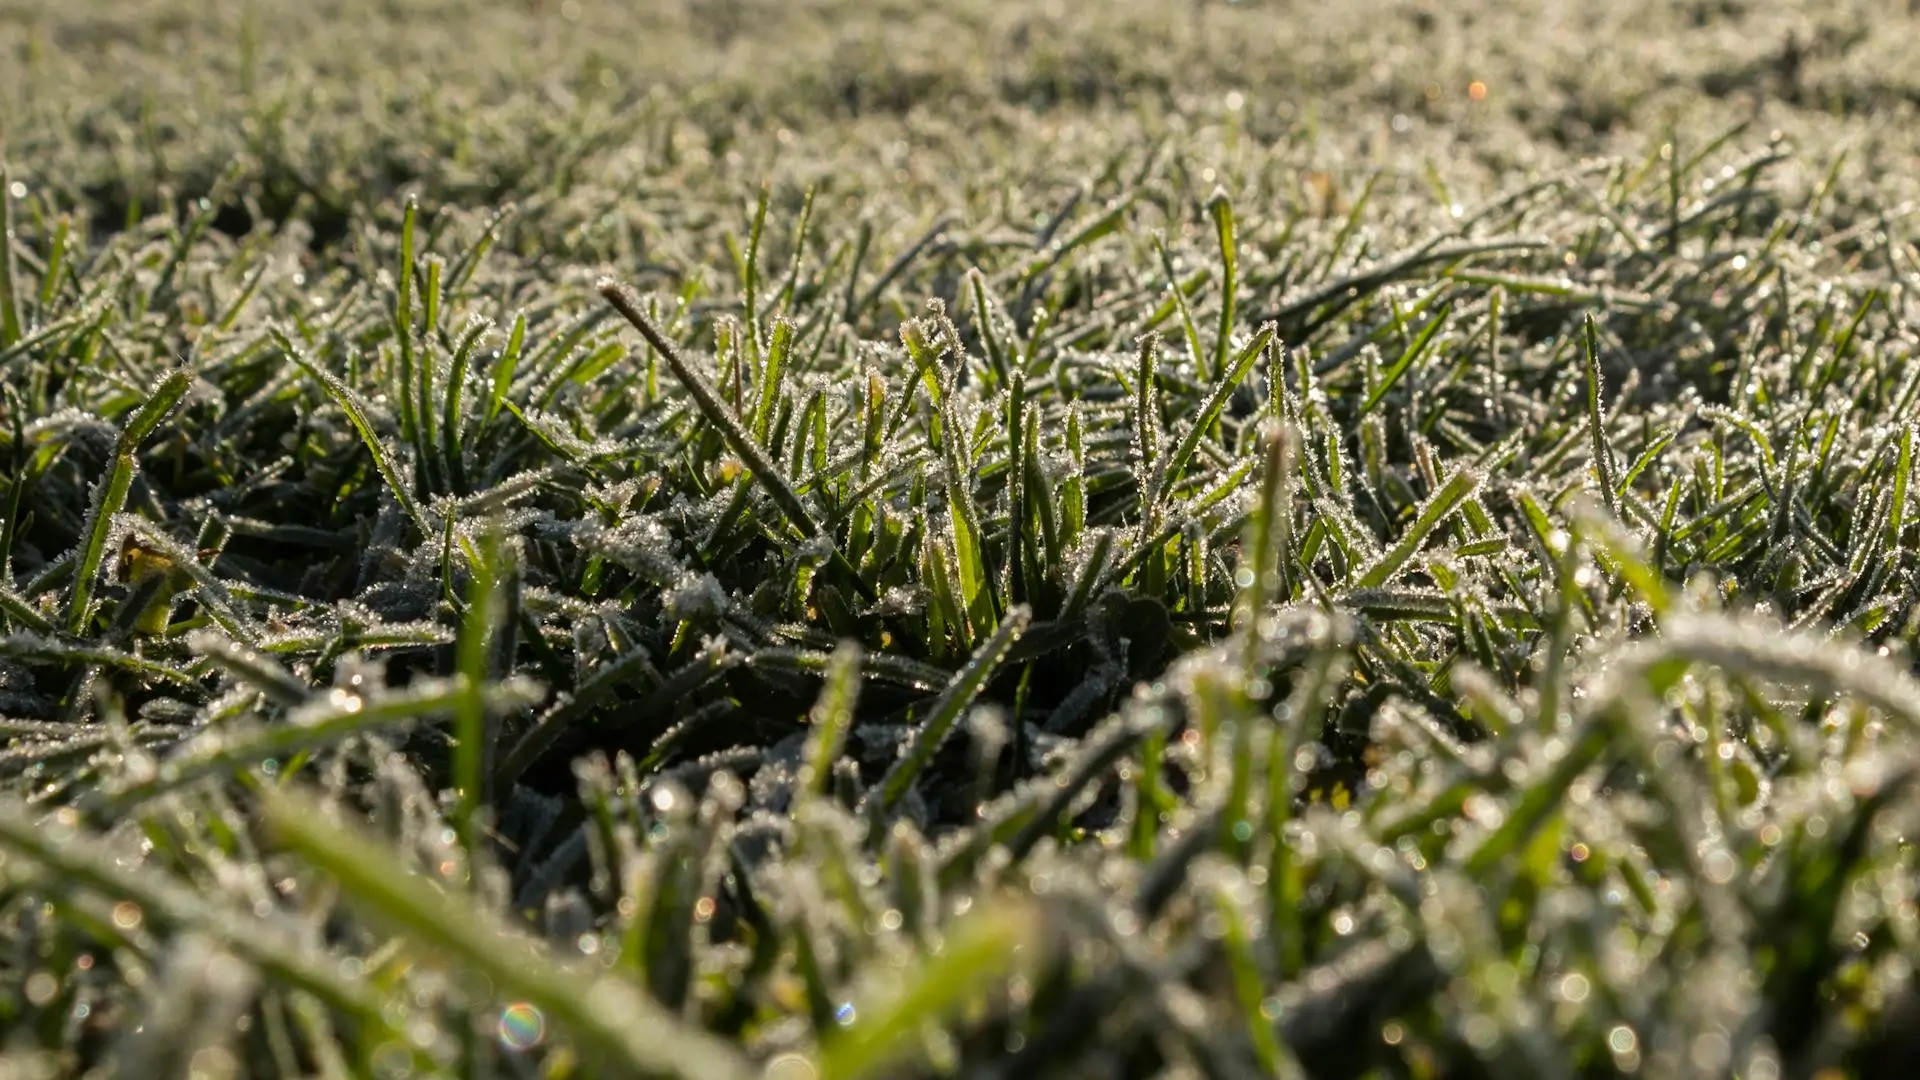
x=111, y=494
x=1601, y=448
x=611, y=1019
x=980, y=952
x=1452, y=493
x=948, y=707
x=11, y=327
x=1220, y=208
x=832, y=718
x=1231, y=378
x=349, y=402
x=270, y=943
x=1406, y=360
x=323, y=722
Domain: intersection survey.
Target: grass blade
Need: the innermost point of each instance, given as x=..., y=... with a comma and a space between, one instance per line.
x=611, y=1019
x=947, y=708
x=111, y=495
x=1455, y=491
x=350, y=403
x=981, y=952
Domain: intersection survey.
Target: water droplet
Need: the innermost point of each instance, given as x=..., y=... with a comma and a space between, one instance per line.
x=522, y=1027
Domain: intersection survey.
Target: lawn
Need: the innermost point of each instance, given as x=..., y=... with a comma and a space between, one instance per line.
x=823, y=540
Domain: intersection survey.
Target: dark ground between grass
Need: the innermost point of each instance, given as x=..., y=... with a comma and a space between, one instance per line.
x=1131, y=539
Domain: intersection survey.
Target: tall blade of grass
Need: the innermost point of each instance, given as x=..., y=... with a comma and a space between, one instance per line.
x=1247, y=987
x=772, y=374
x=858, y=307
x=349, y=403
x=470, y=260
x=1413, y=352
x=612, y=1019
x=1896, y=513
x=1221, y=209
x=501, y=379
x=801, y=233
x=11, y=327
x=998, y=357
x=427, y=434
x=750, y=276
x=1231, y=378
x=1073, y=490
x=57, y=263
x=832, y=719
x=17, y=480
x=475, y=649
x=403, y=326
x=1265, y=551
x=948, y=707
x=271, y=944
x=1146, y=425
x=1597, y=422
x=983, y=950
x=111, y=495
x=454, y=419
x=1179, y=301
x=1020, y=495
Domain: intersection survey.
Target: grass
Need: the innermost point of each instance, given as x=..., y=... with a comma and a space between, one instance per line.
x=829, y=540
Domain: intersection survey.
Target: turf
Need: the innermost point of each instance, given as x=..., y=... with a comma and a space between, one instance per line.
x=830, y=539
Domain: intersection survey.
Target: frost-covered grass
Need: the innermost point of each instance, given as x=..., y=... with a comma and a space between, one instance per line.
x=831, y=539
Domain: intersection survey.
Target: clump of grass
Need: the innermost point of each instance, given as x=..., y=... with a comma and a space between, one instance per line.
x=1110, y=610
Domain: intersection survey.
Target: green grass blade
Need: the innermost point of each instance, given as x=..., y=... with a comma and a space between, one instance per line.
x=832, y=719
x=11, y=327
x=1401, y=366
x=1233, y=375
x=738, y=439
x=981, y=951
x=1597, y=422
x=948, y=707
x=1220, y=208
x=350, y=403
x=475, y=649
x=1444, y=502
x=111, y=495
x=612, y=1020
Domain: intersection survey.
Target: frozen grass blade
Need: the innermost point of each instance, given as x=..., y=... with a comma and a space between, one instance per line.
x=1597, y=422
x=1455, y=491
x=832, y=719
x=11, y=328
x=324, y=721
x=1233, y=375
x=1263, y=576
x=716, y=412
x=1406, y=360
x=982, y=951
x=613, y=1021
x=269, y=943
x=350, y=403
x=948, y=707
x=111, y=495
x=476, y=648
x=1220, y=208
